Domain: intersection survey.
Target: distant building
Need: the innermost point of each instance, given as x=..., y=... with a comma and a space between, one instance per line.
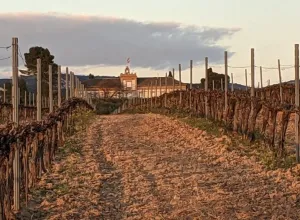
x=129, y=85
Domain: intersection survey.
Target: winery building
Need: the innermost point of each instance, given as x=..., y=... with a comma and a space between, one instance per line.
x=130, y=85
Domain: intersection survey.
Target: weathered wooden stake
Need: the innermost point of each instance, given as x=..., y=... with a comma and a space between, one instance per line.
x=148, y=102
x=71, y=84
x=191, y=74
x=206, y=86
x=75, y=86
x=67, y=83
x=166, y=89
x=156, y=82
x=151, y=86
x=180, y=94
x=4, y=94
x=297, y=100
x=261, y=78
x=232, y=82
x=173, y=79
x=50, y=89
x=39, y=91
x=59, y=87
x=191, y=82
x=280, y=82
x=75, y=94
x=226, y=80
x=252, y=73
x=160, y=85
x=15, y=98
x=246, y=75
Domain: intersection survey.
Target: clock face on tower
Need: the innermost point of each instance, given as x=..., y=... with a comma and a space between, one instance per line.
x=127, y=70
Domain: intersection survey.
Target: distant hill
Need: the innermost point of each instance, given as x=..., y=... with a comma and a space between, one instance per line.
x=31, y=81
x=236, y=86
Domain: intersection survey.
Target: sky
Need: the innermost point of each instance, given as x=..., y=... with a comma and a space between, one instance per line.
x=97, y=36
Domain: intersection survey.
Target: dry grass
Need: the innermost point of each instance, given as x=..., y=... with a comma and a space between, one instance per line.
x=153, y=167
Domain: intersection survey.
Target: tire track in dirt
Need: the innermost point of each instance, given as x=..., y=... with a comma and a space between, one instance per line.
x=76, y=187
x=170, y=170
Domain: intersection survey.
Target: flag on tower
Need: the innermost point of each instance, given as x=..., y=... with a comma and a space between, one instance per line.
x=128, y=60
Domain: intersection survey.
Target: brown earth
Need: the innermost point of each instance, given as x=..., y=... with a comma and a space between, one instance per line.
x=153, y=167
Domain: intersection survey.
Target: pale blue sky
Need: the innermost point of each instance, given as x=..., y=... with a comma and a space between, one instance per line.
x=270, y=26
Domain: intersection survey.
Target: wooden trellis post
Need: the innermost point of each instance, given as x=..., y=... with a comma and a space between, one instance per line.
x=25, y=99
x=261, y=78
x=252, y=73
x=297, y=100
x=77, y=87
x=50, y=89
x=25, y=104
x=226, y=80
x=4, y=94
x=166, y=89
x=180, y=94
x=160, y=86
x=39, y=91
x=151, y=86
x=280, y=82
x=148, y=103
x=173, y=79
x=15, y=102
x=246, y=79
x=232, y=89
x=74, y=85
x=206, y=86
x=71, y=84
x=67, y=83
x=59, y=87
x=191, y=82
x=156, y=82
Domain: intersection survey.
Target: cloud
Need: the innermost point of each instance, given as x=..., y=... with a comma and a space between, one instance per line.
x=89, y=40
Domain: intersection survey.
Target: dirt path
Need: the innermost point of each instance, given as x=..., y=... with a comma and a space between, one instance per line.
x=71, y=190
x=152, y=167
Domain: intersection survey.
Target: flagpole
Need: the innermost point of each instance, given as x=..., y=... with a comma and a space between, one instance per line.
x=128, y=62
